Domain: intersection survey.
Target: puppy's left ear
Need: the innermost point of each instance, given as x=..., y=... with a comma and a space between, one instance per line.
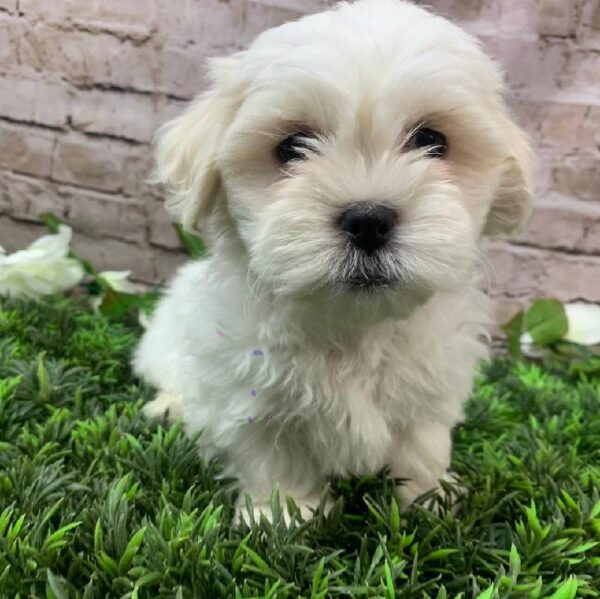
x=512, y=204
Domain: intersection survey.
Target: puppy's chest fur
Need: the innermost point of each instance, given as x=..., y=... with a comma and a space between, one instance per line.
x=351, y=411
x=355, y=401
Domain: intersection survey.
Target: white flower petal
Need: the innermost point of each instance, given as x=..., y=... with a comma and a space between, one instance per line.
x=53, y=246
x=584, y=323
x=117, y=280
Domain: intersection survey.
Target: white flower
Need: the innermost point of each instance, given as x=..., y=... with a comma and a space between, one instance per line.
x=583, y=328
x=41, y=269
x=117, y=280
x=584, y=323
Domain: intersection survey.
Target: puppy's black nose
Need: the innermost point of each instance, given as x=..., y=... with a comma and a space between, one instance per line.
x=368, y=225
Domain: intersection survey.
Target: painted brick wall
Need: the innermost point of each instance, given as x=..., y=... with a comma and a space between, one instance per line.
x=84, y=84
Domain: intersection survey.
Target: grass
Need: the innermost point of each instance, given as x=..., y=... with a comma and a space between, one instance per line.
x=96, y=502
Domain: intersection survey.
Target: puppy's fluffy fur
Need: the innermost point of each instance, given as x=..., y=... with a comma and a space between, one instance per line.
x=292, y=370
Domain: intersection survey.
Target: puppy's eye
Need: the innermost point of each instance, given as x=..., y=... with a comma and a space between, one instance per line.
x=436, y=142
x=292, y=148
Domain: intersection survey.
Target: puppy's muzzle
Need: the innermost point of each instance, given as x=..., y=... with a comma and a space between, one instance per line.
x=368, y=226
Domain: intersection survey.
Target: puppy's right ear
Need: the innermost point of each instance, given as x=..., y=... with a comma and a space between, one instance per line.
x=186, y=149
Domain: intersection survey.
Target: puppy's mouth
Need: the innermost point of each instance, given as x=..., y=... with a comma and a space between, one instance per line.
x=373, y=283
x=367, y=274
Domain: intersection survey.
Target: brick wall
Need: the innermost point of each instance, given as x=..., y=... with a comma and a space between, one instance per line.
x=84, y=84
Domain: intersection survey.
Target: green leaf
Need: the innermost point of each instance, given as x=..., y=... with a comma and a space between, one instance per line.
x=57, y=585
x=532, y=518
x=589, y=366
x=567, y=590
x=148, y=579
x=52, y=221
x=261, y=564
x=192, y=244
x=584, y=547
x=56, y=539
x=595, y=510
x=316, y=582
x=43, y=379
x=389, y=582
x=98, y=536
x=132, y=548
x=487, y=594
x=513, y=329
x=116, y=304
x=546, y=321
x=107, y=563
x=440, y=554
x=394, y=518
x=515, y=563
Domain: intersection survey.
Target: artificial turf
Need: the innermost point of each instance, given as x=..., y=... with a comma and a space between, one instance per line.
x=96, y=502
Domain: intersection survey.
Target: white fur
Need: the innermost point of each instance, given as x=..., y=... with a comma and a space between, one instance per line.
x=292, y=376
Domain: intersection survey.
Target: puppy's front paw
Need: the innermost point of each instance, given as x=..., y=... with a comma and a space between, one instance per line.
x=259, y=509
x=307, y=507
x=164, y=405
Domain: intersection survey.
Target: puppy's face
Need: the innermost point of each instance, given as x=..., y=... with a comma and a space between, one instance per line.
x=359, y=153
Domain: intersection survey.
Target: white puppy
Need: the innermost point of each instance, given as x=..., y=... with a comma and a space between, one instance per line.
x=343, y=171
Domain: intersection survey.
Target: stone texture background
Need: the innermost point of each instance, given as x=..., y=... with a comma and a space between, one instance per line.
x=84, y=84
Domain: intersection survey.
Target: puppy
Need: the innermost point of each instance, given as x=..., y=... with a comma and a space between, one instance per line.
x=343, y=170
